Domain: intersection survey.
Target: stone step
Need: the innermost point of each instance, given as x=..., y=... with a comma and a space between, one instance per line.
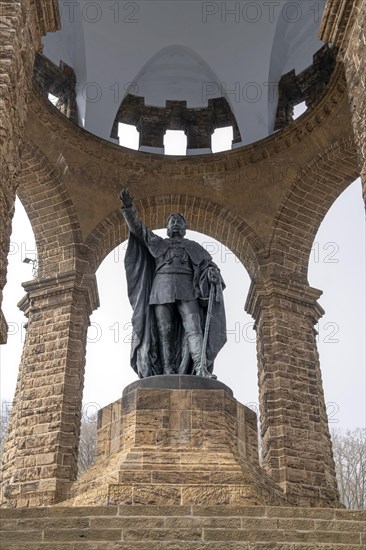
x=182, y=528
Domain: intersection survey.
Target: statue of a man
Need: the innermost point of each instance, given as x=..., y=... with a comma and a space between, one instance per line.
x=169, y=282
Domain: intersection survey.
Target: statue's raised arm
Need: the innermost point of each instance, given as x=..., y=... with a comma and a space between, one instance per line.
x=175, y=290
x=133, y=221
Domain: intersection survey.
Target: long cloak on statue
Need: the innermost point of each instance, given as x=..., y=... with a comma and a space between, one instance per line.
x=140, y=264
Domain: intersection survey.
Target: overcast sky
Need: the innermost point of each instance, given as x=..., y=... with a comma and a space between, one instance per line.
x=337, y=266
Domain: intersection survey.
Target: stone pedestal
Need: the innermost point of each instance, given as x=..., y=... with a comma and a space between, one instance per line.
x=176, y=440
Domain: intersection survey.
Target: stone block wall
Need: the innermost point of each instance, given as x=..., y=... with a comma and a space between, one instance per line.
x=182, y=528
x=40, y=454
x=291, y=395
x=160, y=445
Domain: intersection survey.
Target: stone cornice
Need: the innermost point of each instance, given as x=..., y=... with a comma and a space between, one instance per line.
x=291, y=297
x=337, y=22
x=63, y=285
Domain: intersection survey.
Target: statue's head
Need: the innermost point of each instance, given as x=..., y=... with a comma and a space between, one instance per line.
x=176, y=225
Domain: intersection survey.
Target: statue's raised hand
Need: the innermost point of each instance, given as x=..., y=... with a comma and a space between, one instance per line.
x=126, y=198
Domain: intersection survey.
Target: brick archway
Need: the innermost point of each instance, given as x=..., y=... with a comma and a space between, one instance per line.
x=202, y=215
x=306, y=204
x=50, y=211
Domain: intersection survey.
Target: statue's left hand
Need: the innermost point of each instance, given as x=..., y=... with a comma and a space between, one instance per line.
x=214, y=276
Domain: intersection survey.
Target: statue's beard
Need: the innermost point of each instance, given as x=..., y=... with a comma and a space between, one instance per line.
x=175, y=233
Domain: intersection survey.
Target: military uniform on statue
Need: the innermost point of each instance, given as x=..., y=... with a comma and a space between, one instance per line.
x=169, y=282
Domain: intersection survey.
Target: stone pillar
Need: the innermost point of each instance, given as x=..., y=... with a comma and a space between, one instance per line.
x=152, y=131
x=296, y=444
x=198, y=130
x=22, y=23
x=40, y=455
x=343, y=25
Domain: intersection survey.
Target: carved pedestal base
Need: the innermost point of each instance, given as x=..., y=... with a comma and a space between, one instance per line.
x=176, y=440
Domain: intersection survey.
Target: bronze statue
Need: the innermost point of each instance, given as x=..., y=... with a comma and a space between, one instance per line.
x=175, y=290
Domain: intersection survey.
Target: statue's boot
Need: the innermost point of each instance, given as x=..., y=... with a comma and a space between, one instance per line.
x=167, y=346
x=192, y=327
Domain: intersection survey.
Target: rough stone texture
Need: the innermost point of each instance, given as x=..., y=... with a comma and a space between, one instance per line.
x=75, y=180
x=153, y=122
x=182, y=528
x=307, y=86
x=264, y=201
x=40, y=455
x=22, y=23
x=59, y=81
x=176, y=446
x=343, y=24
x=291, y=394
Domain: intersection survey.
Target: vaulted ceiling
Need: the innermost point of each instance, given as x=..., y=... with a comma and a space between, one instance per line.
x=184, y=50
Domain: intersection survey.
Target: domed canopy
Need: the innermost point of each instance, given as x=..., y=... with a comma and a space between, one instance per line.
x=184, y=50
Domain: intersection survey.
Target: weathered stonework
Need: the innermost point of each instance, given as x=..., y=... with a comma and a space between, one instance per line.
x=75, y=180
x=40, y=455
x=163, y=445
x=291, y=393
x=58, y=81
x=264, y=201
x=197, y=124
x=308, y=86
x=343, y=25
x=182, y=528
x=22, y=23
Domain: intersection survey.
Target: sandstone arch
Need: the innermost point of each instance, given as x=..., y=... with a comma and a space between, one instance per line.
x=50, y=211
x=202, y=215
x=306, y=204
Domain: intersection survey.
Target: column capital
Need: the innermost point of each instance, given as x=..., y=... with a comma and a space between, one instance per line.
x=59, y=289
x=283, y=295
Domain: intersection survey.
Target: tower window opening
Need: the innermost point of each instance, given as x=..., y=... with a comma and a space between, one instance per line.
x=128, y=136
x=175, y=142
x=221, y=139
x=299, y=109
x=53, y=99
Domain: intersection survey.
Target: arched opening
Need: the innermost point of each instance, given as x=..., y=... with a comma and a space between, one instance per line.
x=108, y=368
x=53, y=99
x=299, y=109
x=337, y=266
x=128, y=136
x=175, y=142
x=221, y=139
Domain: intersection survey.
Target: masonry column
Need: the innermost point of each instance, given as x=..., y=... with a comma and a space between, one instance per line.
x=296, y=444
x=40, y=455
x=152, y=131
x=22, y=23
